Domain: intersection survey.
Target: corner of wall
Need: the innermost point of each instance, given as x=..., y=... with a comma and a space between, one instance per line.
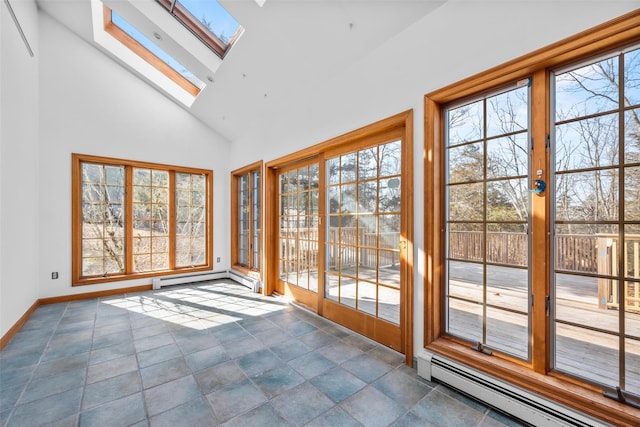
x=18, y=161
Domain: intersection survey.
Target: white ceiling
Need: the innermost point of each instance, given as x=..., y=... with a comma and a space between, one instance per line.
x=288, y=47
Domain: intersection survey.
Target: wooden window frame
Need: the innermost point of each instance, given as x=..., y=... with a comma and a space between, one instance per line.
x=235, y=206
x=76, y=217
x=536, y=376
x=146, y=54
x=199, y=30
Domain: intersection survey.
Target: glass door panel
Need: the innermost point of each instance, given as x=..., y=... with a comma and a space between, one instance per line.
x=298, y=232
x=363, y=231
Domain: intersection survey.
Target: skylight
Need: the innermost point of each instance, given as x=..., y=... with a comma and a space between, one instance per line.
x=208, y=21
x=151, y=53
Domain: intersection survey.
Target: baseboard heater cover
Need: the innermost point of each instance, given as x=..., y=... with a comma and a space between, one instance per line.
x=520, y=403
x=160, y=282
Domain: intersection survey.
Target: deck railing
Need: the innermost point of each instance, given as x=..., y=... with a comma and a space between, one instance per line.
x=591, y=254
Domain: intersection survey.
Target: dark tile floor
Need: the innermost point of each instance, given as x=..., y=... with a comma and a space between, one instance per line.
x=209, y=354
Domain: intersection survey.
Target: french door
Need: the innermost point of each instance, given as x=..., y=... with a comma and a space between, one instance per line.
x=363, y=245
x=342, y=245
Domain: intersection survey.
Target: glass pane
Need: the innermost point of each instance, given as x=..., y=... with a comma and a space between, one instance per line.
x=632, y=77
x=91, y=173
x=466, y=242
x=389, y=195
x=632, y=330
x=632, y=194
x=348, y=168
x=584, y=300
x=464, y=319
x=508, y=332
x=367, y=196
x=303, y=278
x=367, y=231
x=508, y=157
x=292, y=276
x=508, y=288
x=160, y=244
x=348, y=292
x=632, y=360
x=114, y=175
x=333, y=171
x=390, y=159
x=368, y=163
x=141, y=177
x=314, y=176
x=161, y=213
x=348, y=198
x=587, y=90
x=313, y=279
x=160, y=261
x=508, y=244
x=465, y=280
x=389, y=268
x=142, y=262
x=508, y=200
x=303, y=203
x=389, y=304
x=466, y=202
x=313, y=195
x=632, y=136
x=587, y=354
x=587, y=196
x=367, y=263
x=333, y=196
x=632, y=251
x=333, y=258
x=587, y=143
x=303, y=179
x=332, y=287
x=389, y=235
x=465, y=163
x=465, y=124
x=367, y=297
x=508, y=112
x=587, y=248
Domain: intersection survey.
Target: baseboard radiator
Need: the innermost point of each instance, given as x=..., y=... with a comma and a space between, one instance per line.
x=160, y=282
x=522, y=404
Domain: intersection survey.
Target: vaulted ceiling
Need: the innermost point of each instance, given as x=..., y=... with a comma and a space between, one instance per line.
x=288, y=47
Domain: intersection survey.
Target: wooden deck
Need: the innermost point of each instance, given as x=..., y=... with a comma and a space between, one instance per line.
x=582, y=351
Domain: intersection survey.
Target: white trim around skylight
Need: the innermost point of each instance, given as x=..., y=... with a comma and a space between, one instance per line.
x=176, y=41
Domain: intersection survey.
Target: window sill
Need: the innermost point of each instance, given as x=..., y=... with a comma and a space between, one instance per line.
x=565, y=390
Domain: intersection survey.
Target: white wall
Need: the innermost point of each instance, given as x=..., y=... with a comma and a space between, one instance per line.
x=457, y=40
x=18, y=164
x=89, y=104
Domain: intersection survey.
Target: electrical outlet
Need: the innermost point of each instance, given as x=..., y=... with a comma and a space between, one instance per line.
x=54, y=275
x=218, y=259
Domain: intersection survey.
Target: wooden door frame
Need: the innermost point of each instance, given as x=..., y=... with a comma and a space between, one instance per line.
x=402, y=121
